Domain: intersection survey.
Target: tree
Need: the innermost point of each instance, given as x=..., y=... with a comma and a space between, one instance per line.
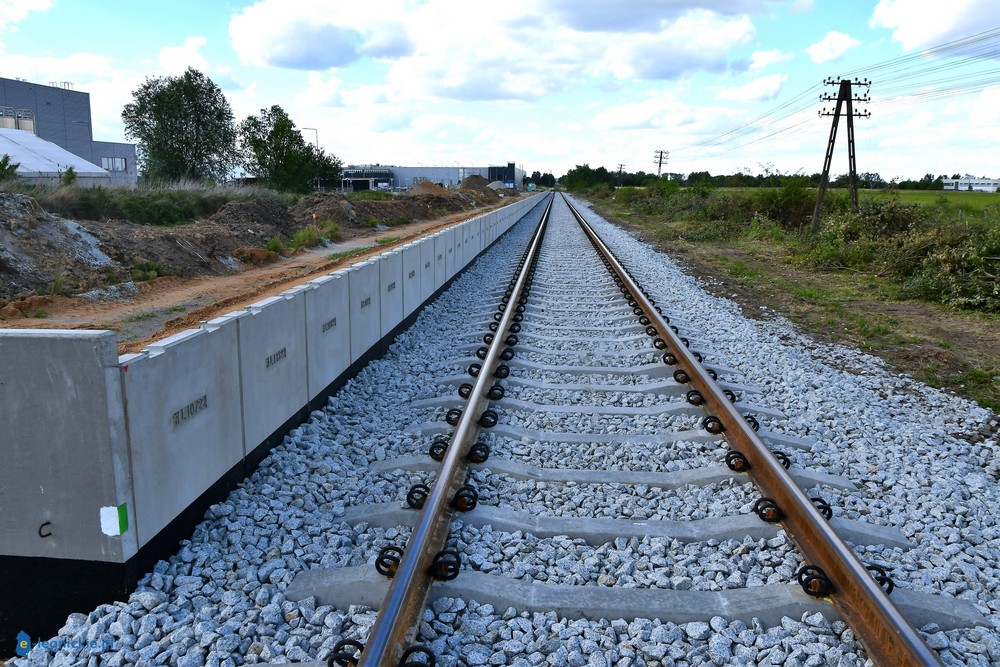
x=327, y=167
x=275, y=152
x=183, y=126
x=8, y=169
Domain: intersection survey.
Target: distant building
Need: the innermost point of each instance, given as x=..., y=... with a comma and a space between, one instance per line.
x=969, y=183
x=389, y=177
x=61, y=115
x=42, y=162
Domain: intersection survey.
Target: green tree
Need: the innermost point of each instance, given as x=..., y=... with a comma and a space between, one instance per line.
x=183, y=126
x=327, y=168
x=275, y=152
x=8, y=169
x=68, y=177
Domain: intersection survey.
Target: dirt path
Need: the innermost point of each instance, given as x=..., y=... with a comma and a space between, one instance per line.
x=167, y=305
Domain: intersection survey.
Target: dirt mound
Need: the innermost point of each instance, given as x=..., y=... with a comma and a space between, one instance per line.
x=260, y=215
x=474, y=182
x=44, y=253
x=428, y=188
x=361, y=216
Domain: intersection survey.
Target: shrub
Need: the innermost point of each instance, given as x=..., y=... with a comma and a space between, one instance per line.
x=330, y=230
x=68, y=177
x=274, y=244
x=307, y=237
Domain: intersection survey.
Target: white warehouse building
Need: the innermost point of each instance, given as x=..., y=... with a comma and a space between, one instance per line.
x=970, y=183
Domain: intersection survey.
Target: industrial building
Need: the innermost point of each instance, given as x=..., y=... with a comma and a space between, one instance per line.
x=390, y=177
x=970, y=183
x=60, y=115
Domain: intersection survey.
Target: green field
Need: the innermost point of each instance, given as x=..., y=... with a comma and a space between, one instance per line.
x=959, y=198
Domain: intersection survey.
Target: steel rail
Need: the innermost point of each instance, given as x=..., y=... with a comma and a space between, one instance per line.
x=888, y=638
x=401, y=610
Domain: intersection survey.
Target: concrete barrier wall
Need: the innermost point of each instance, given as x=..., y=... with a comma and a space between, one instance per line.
x=366, y=320
x=185, y=421
x=109, y=461
x=427, y=284
x=64, y=448
x=412, y=277
x=144, y=435
x=272, y=347
x=390, y=267
x=328, y=330
x=451, y=242
x=440, y=263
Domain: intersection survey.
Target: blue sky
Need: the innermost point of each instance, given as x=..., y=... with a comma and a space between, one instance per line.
x=549, y=84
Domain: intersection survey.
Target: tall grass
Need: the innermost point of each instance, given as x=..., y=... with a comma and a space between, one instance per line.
x=945, y=251
x=151, y=204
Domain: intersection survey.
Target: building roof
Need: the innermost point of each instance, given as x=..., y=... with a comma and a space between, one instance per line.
x=38, y=157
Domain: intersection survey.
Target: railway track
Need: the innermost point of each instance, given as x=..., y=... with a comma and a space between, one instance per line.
x=526, y=479
x=577, y=351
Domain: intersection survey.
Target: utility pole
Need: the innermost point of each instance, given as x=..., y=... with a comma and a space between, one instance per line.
x=845, y=96
x=659, y=157
x=620, y=167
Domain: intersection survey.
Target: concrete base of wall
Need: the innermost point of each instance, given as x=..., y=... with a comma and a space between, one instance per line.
x=41, y=592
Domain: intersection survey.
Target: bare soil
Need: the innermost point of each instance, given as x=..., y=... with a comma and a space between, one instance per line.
x=66, y=274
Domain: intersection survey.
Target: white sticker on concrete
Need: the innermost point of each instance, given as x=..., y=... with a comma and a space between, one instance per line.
x=109, y=521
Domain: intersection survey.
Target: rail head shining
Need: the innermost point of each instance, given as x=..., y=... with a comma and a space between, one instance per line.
x=886, y=635
x=400, y=614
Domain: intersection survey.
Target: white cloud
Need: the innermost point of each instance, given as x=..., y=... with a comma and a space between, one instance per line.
x=759, y=90
x=831, y=47
x=175, y=60
x=699, y=40
x=317, y=35
x=644, y=15
x=762, y=59
x=14, y=11
x=918, y=24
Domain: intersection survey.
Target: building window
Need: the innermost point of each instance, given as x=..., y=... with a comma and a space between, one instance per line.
x=113, y=163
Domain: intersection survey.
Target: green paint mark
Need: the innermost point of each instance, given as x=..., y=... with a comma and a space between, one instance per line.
x=122, y=518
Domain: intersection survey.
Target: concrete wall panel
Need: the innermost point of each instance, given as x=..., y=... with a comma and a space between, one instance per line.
x=366, y=323
x=440, y=259
x=328, y=330
x=451, y=237
x=63, y=446
x=391, y=289
x=427, y=284
x=184, y=419
x=412, y=277
x=272, y=365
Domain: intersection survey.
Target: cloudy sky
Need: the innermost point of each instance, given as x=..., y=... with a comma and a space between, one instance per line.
x=724, y=85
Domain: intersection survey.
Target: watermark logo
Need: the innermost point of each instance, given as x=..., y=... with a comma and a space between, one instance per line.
x=23, y=643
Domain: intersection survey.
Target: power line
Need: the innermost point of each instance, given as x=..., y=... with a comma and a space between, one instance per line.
x=938, y=72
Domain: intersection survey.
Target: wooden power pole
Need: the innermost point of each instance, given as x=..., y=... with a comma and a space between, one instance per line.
x=659, y=157
x=845, y=97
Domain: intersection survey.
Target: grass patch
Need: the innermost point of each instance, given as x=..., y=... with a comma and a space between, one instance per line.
x=174, y=309
x=40, y=314
x=314, y=235
x=387, y=240
x=156, y=204
x=138, y=317
x=371, y=195
x=347, y=253
x=150, y=271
